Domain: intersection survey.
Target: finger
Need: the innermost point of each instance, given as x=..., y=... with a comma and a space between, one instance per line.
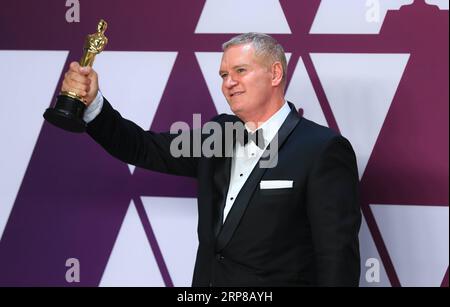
x=79, y=89
x=74, y=66
x=74, y=91
x=85, y=70
x=78, y=78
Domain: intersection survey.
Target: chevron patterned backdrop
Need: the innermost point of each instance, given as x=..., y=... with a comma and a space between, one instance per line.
x=376, y=70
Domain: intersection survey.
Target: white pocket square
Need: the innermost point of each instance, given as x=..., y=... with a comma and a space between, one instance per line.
x=276, y=184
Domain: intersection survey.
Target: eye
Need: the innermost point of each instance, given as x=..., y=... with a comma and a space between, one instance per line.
x=240, y=70
x=223, y=76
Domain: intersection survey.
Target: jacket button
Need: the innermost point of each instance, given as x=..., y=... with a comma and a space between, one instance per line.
x=220, y=257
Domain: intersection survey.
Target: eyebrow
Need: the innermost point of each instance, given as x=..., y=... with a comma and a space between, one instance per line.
x=234, y=67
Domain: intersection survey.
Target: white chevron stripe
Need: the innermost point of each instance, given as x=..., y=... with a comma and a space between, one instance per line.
x=174, y=222
x=134, y=82
x=239, y=16
x=353, y=16
x=28, y=82
x=416, y=238
x=132, y=262
x=360, y=89
x=302, y=94
x=442, y=4
x=369, y=251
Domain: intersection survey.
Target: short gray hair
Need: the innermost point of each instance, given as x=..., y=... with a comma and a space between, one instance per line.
x=265, y=46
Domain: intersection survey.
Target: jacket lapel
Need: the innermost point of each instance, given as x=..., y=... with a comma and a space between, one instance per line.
x=221, y=179
x=242, y=200
x=221, y=182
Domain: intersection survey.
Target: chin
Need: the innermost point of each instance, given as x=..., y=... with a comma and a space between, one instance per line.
x=237, y=103
x=236, y=108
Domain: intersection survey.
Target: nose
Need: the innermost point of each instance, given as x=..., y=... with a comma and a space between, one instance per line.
x=230, y=82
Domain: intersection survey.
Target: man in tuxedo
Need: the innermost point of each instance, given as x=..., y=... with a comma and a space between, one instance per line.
x=292, y=223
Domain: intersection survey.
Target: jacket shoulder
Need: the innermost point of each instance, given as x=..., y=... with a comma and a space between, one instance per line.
x=317, y=132
x=315, y=138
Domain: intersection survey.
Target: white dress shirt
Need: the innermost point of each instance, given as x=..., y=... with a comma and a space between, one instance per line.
x=245, y=157
x=94, y=108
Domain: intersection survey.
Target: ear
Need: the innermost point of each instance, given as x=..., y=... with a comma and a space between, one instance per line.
x=277, y=73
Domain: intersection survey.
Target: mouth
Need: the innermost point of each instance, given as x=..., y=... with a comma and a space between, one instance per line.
x=236, y=94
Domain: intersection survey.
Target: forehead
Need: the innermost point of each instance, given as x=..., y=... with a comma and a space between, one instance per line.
x=238, y=55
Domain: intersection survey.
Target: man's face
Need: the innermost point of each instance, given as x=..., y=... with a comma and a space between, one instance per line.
x=246, y=80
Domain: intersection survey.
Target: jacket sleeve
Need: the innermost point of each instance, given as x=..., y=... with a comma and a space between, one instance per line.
x=334, y=213
x=129, y=143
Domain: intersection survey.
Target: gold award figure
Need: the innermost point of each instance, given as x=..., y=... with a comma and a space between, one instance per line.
x=69, y=109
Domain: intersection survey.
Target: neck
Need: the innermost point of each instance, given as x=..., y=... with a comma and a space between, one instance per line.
x=256, y=118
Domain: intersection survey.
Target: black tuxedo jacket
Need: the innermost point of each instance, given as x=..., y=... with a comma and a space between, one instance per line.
x=305, y=235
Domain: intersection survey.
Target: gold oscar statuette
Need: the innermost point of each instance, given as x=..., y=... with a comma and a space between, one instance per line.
x=69, y=108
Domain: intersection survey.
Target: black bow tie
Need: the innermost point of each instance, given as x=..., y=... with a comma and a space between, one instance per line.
x=255, y=137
